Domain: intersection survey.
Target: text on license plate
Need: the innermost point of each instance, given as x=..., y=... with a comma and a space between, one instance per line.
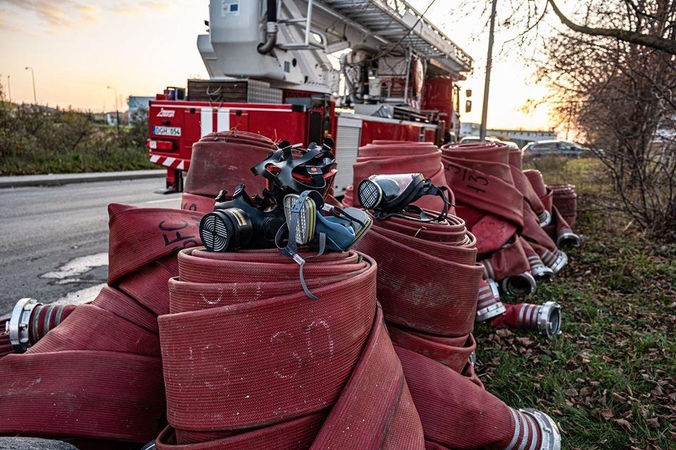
x=167, y=131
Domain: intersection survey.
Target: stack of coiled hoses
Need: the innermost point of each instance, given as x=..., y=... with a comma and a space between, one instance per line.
x=251, y=362
x=510, y=240
x=98, y=375
x=427, y=283
x=507, y=216
x=393, y=157
x=223, y=160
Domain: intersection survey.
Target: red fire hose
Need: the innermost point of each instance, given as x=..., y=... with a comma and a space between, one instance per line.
x=427, y=283
x=393, y=157
x=224, y=159
x=97, y=376
x=263, y=366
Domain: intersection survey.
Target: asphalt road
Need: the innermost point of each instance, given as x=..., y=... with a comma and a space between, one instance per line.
x=54, y=240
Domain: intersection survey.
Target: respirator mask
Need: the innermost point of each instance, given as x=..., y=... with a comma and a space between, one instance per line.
x=309, y=221
x=253, y=222
x=242, y=222
x=392, y=195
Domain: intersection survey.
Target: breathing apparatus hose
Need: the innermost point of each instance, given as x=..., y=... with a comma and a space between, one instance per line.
x=262, y=366
x=97, y=377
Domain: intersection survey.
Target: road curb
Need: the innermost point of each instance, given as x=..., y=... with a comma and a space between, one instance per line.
x=69, y=178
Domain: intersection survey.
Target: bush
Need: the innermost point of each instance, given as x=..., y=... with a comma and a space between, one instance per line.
x=35, y=139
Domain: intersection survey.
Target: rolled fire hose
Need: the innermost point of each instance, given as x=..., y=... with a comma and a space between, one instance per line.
x=427, y=283
x=484, y=180
x=565, y=200
x=212, y=165
x=429, y=265
x=97, y=377
x=558, y=228
x=212, y=168
x=394, y=157
x=264, y=367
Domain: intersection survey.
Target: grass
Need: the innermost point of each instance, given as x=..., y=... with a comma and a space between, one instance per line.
x=610, y=379
x=92, y=159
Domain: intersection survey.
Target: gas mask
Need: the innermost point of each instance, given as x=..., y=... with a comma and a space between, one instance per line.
x=392, y=195
x=309, y=221
x=253, y=222
x=242, y=222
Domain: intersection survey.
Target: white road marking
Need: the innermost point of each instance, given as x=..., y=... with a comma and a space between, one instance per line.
x=78, y=266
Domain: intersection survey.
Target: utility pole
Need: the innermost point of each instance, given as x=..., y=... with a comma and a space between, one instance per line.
x=117, y=111
x=487, y=80
x=9, y=90
x=35, y=97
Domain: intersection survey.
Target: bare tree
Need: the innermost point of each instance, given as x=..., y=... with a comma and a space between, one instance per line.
x=646, y=23
x=620, y=96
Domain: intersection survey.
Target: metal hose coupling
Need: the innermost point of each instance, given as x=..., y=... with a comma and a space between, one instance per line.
x=550, y=436
x=538, y=269
x=566, y=238
x=31, y=320
x=545, y=218
x=545, y=319
x=521, y=284
x=554, y=260
x=488, y=301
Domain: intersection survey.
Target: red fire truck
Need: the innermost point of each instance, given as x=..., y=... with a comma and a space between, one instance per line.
x=299, y=70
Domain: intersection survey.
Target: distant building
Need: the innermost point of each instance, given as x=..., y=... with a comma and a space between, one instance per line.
x=136, y=103
x=521, y=137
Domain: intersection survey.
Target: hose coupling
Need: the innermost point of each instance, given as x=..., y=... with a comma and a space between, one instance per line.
x=545, y=319
x=541, y=272
x=556, y=261
x=488, y=301
x=18, y=325
x=550, y=435
x=545, y=218
x=566, y=238
x=521, y=284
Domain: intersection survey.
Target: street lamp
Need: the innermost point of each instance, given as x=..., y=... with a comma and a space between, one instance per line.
x=117, y=111
x=35, y=97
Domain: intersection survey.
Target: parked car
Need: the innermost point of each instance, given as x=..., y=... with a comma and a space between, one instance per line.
x=561, y=148
x=489, y=139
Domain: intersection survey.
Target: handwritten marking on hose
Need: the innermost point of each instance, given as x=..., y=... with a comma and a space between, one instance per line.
x=469, y=177
x=170, y=238
x=295, y=360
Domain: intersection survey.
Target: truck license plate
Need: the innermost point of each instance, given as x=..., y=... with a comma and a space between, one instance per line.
x=167, y=131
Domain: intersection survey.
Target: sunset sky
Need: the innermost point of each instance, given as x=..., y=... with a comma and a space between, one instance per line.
x=78, y=48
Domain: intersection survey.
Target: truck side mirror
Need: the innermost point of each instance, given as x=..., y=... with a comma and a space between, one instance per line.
x=468, y=106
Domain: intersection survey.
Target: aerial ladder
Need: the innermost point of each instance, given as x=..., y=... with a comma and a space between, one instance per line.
x=301, y=70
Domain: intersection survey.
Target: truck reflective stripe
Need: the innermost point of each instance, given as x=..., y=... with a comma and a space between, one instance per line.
x=223, y=120
x=207, y=120
x=168, y=162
